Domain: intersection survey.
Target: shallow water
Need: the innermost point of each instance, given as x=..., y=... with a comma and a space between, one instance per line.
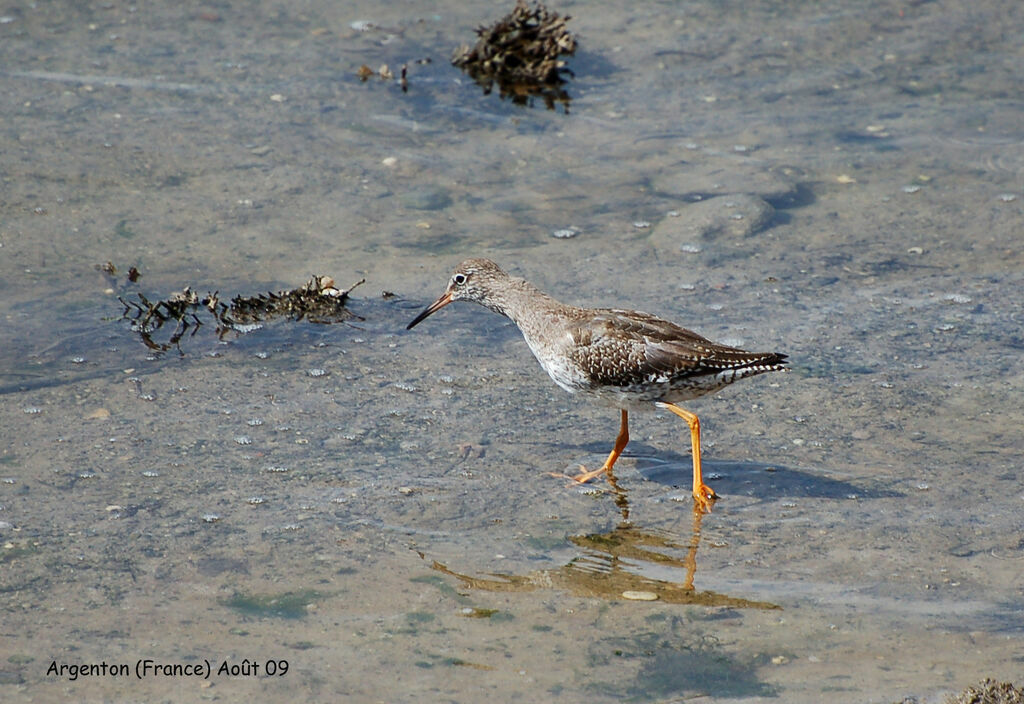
x=838, y=182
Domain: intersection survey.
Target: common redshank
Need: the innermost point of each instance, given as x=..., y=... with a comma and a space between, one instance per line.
x=623, y=358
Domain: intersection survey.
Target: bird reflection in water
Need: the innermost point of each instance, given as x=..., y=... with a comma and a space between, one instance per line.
x=610, y=567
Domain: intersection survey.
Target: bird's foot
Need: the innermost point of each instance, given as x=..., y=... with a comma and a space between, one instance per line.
x=583, y=477
x=704, y=497
x=586, y=475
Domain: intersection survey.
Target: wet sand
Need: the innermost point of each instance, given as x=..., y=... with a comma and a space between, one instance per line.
x=840, y=183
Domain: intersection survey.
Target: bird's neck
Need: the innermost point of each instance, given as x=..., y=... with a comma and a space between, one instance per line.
x=525, y=304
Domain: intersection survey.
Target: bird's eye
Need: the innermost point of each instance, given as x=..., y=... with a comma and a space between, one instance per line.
x=459, y=279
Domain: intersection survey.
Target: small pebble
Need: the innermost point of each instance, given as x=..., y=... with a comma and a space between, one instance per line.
x=911, y=189
x=565, y=233
x=639, y=596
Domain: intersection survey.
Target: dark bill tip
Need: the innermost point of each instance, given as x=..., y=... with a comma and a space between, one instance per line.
x=419, y=319
x=432, y=308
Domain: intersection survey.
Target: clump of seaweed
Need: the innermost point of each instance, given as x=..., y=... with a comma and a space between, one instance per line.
x=521, y=53
x=318, y=301
x=989, y=691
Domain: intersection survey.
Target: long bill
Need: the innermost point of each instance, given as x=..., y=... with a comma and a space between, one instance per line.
x=437, y=305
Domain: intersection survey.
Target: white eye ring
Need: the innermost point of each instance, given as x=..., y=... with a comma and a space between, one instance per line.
x=459, y=279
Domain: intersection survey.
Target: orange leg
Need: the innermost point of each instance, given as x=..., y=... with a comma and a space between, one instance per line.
x=606, y=468
x=703, y=495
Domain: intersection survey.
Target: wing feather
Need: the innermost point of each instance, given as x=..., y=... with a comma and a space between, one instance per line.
x=627, y=348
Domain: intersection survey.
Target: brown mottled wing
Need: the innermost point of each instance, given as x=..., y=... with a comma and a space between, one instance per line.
x=626, y=348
